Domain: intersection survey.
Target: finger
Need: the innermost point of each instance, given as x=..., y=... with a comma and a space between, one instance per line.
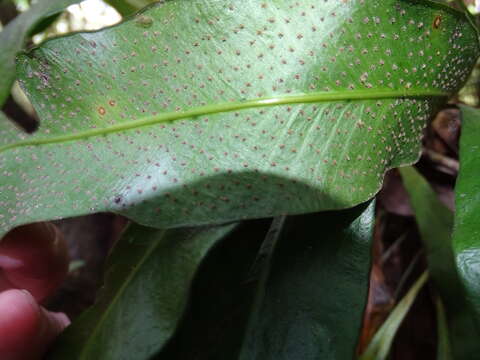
x=35, y=258
x=26, y=329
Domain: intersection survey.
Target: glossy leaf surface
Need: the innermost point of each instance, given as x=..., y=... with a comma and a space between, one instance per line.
x=313, y=288
x=435, y=222
x=199, y=112
x=147, y=285
x=466, y=237
x=13, y=37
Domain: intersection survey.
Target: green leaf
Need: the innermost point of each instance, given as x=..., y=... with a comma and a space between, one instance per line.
x=128, y=7
x=435, y=222
x=444, y=350
x=313, y=288
x=14, y=35
x=8, y=130
x=206, y=111
x=221, y=298
x=466, y=236
x=147, y=283
x=379, y=347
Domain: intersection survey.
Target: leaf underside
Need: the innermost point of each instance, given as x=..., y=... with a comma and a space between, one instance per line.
x=199, y=112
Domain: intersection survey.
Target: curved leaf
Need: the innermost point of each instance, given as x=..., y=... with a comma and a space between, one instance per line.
x=148, y=279
x=13, y=37
x=313, y=288
x=199, y=112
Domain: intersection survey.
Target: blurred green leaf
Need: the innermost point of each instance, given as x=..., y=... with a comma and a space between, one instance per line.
x=128, y=7
x=122, y=6
x=147, y=285
x=190, y=114
x=14, y=36
x=435, y=222
x=379, y=347
x=313, y=287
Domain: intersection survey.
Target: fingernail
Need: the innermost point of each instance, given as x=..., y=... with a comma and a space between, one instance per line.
x=61, y=318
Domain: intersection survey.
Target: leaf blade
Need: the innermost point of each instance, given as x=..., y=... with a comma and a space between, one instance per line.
x=466, y=233
x=435, y=222
x=151, y=267
x=313, y=288
x=265, y=157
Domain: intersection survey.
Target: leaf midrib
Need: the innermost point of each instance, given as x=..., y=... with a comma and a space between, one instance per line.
x=317, y=97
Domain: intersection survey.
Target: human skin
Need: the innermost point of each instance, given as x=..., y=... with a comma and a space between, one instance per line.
x=33, y=263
